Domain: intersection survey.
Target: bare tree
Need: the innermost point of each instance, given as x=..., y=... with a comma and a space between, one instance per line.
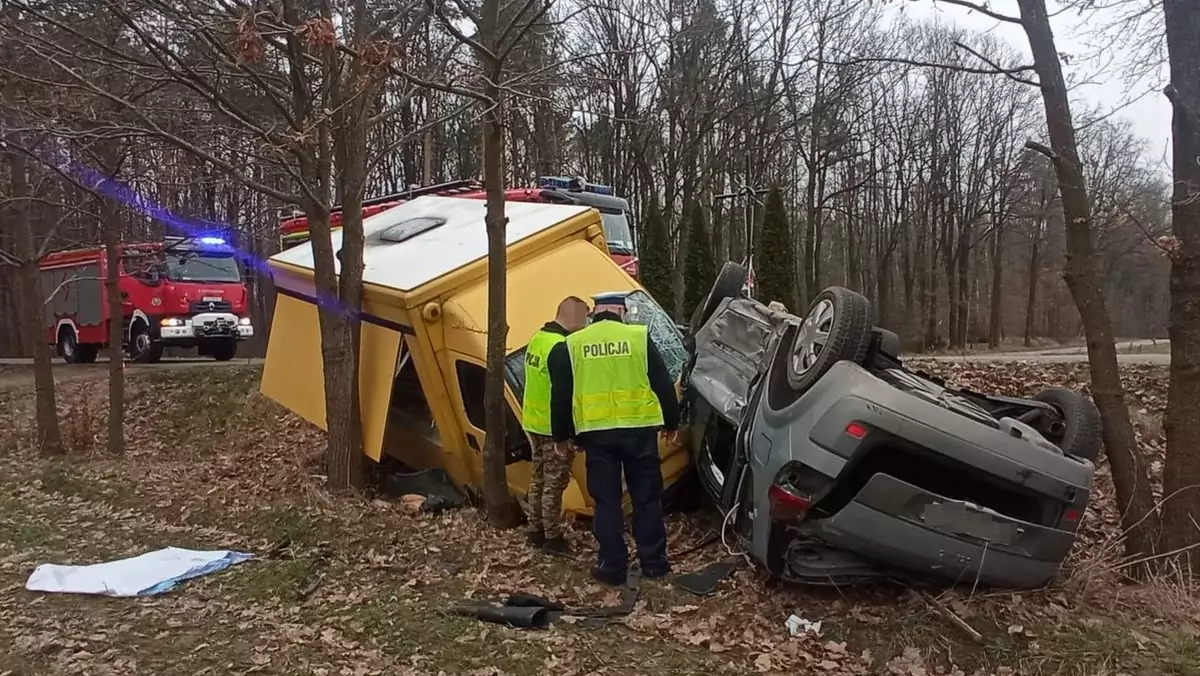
x=1129, y=467
x=1182, y=421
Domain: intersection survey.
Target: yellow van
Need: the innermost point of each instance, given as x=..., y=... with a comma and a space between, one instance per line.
x=424, y=336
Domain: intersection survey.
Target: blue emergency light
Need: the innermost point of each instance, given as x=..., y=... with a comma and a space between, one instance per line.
x=573, y=184
x=212, y=241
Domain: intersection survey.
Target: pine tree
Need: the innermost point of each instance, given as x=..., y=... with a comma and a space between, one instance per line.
x=775, y=273
x=655, y=271
x=699, y=265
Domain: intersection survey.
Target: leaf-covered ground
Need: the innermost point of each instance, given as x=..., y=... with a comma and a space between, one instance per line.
x=357, y=587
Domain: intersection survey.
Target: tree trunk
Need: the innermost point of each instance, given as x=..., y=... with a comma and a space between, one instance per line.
x=1129, y=467
x=31, y=303
x=1181, y=474
x=1035, y=268
x=343, y=451
x=111, y=223
x=502, y=510
x=997, y=310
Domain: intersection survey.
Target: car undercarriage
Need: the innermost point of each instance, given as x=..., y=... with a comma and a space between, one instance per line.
x=832, y=462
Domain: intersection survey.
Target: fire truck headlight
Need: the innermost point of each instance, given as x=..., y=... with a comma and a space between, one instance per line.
x=244, y=321
x=172, y=321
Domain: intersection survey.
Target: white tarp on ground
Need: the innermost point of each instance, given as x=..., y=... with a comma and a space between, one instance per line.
x=146, y=575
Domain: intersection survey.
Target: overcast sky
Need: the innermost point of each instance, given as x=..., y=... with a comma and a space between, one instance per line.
x=1142, y=103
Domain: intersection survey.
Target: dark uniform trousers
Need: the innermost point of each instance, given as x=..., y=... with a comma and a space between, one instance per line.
x=608, y=453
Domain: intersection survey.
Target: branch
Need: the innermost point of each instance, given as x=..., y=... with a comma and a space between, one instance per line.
x=982, y=9
x=1037, y=147
x=546, y=4
x=1007, y=72
x=478, y=46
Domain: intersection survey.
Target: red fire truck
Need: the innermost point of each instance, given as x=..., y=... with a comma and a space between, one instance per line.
x=613, y=210
x=181, y=292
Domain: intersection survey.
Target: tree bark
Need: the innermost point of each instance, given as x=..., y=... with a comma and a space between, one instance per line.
x=996, y=318
x=31, y=303
x=111, y=223
x=1035, y=268
x=1181, y=476
x=502, y=510
x=1129, y=466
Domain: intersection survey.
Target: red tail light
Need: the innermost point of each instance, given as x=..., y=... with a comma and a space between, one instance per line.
x=786, y=504
x=856, y=430
x=1071, y=515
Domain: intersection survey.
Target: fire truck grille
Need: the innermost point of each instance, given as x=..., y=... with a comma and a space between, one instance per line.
x=210, y=306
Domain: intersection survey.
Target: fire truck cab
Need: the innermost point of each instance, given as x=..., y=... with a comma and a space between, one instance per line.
x=614, y=211
x=181, y=292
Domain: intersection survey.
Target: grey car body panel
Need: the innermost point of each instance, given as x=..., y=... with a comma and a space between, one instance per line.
x=731, y=348
x=888, y=520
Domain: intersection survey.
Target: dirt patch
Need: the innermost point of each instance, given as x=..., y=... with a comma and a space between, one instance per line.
x=345, y=586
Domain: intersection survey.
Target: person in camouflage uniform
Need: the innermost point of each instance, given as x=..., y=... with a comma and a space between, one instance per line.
x=551, y=470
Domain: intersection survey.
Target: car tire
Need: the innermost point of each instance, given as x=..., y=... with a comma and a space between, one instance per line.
x=74, y=352
x=889, y=342
x=143, y=349
x=836, y=327
x=1082, y=426
x=224, y=350
x=728, y=284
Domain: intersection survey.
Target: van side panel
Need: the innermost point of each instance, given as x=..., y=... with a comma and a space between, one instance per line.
x=536, y=285
x=293, y=375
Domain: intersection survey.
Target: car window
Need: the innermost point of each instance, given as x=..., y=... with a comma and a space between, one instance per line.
x=641, y=309
x=514, y=372
x=472, y=380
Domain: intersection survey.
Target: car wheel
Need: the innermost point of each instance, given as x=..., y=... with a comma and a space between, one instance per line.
x=142, y=347
x=837, y=327
x=728, y=285
x=1082, y=427
x=72, y=351
x=224, y=350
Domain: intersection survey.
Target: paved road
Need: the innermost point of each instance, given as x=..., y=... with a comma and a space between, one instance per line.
x=1128, y=352
x=167, y=362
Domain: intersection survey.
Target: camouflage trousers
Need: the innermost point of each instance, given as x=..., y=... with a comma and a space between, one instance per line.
x=549, y=478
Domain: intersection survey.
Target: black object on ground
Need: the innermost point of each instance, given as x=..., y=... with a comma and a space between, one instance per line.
x=529, y=611
x=704, y=582
x=439, y=491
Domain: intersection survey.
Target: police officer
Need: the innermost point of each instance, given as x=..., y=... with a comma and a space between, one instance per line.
x=611, y=396
x=551, y=462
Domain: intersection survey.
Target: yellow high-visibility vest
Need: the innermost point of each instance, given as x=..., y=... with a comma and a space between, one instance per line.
x=612, y=389
x=535, y=404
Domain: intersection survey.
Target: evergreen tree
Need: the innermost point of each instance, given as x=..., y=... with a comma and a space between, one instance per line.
x=775, y=272
x=699, y=266
x=655, y=270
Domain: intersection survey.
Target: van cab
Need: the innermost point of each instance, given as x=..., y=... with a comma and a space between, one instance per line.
x=424, y=330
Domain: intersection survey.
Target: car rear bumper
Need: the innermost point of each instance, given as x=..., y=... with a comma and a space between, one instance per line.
x=899, y=524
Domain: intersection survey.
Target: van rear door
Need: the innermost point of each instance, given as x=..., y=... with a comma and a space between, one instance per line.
x=293, y=374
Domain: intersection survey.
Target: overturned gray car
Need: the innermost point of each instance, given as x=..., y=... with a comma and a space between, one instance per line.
x=833, y=463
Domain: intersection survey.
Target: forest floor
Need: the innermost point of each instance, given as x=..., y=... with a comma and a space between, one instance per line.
x=357, y=587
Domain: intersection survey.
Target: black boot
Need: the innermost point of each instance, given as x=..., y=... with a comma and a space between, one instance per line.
x=609, y=576
x=557, y=546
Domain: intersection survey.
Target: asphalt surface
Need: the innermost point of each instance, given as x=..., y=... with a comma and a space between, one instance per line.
x=1144, y=351
x=1128, y=352
x=166, y=363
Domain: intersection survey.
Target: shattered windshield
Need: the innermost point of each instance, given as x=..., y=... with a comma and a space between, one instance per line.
x=641, y=310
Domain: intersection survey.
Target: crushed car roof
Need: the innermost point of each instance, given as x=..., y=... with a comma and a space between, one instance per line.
x=446, y=234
